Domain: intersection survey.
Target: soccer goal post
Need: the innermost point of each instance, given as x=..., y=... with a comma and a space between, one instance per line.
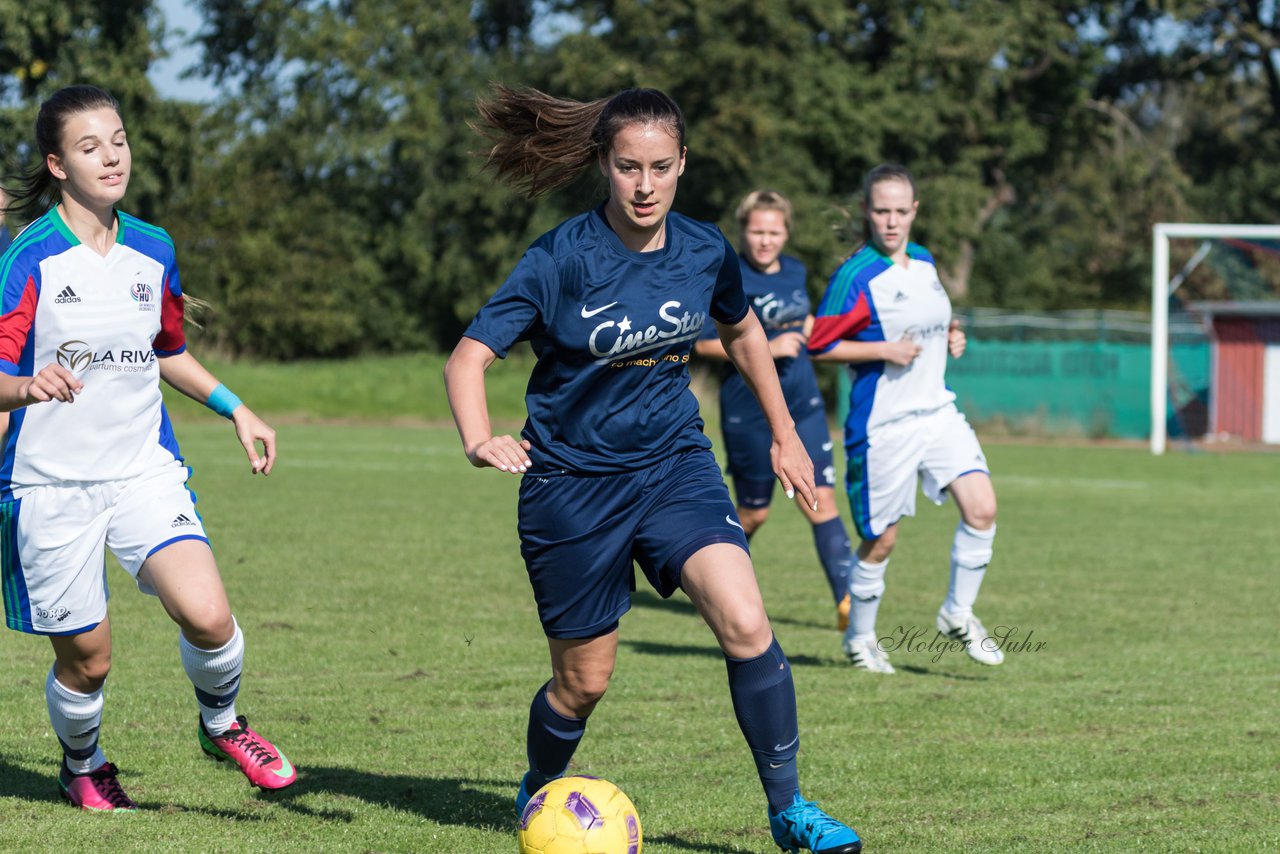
x=1162, y=287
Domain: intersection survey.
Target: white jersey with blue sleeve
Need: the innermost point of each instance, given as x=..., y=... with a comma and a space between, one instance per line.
x=870, y=298
x=106, y=319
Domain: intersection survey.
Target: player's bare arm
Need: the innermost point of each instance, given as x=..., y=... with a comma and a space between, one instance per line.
x=748, y=347
x=464, y=383
x=185, y=373
x=901, y=352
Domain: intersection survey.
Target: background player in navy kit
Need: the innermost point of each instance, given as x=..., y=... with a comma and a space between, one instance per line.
x=776, y=285
x=886, y=314
x=615, y=464
x=91, y=321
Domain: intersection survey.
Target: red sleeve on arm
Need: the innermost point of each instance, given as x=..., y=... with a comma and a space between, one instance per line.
x=16, y=325
x=829, y=330
x=172, y=338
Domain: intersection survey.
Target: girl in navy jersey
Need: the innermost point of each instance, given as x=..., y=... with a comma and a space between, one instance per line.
x=776, y=285
x=90, y=322
x=887, y=316
x=615, y=466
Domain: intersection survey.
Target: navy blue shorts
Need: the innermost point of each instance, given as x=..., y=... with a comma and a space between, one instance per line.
x=579, y=536
x=751, y=470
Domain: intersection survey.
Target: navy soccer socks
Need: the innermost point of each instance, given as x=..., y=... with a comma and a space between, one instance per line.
x=764, y=701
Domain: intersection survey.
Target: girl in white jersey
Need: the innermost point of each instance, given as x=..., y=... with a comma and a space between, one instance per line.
x=887, y=316
x=90, y=321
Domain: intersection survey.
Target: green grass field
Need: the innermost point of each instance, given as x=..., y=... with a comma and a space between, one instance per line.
x=393, y=648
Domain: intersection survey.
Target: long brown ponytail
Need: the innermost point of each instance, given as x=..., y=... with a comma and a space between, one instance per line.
x=539, y=143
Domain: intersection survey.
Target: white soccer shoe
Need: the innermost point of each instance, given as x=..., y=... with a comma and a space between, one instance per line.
x=867, y=654
x=968, y=629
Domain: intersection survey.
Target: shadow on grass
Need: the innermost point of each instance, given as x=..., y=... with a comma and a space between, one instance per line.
x=945, y=674
x=686, y=845
x=18, y=782
x=649, y=599
x=446, y=800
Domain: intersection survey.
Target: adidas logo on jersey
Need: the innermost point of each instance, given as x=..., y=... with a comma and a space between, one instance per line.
x=181, y=520
x=67, y=296
x=901, y=297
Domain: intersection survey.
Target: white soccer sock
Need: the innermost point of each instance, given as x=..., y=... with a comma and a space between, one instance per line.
x=215, y=673
x=866, y=586
x=75, y=718
x=970, y=554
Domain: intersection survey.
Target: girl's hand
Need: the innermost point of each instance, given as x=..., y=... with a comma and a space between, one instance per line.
x=956, y=339
x=250, y=430
x=505, y=453
x=52, y=382
x=901, y=352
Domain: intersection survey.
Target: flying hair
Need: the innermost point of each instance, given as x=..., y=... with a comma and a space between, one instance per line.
x=539, y=143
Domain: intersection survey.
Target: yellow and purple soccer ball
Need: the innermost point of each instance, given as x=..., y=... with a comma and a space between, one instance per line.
x=580, y=815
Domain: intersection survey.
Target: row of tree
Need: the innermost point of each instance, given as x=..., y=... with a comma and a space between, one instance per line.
x=331, y=202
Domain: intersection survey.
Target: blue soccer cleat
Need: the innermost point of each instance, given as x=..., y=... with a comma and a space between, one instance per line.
x=803, y=825
x=523, y=796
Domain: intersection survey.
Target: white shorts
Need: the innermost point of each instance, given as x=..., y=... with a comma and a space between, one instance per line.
x=52, y=541
x=936, y=448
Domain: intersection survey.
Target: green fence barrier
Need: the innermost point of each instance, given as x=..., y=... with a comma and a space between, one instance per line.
x=1097, y=389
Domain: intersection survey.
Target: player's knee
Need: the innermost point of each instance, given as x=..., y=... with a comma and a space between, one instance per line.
x=982, y=515
x=208, y=627
x=580, y=691
x=745, y=633
x=752, y=518
x=879, y=549
x=87, y=674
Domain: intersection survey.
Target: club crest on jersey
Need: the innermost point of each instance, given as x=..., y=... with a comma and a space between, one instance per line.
x=613, y=340
x=143, y=296
x=74, y=355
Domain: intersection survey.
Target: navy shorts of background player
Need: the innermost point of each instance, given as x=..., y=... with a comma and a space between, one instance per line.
x=621, y=467
x=781, y=301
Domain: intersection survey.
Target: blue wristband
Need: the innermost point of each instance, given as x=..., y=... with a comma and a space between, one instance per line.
x=223, y=401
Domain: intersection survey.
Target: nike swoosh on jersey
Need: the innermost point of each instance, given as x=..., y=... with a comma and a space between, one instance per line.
x=762, y=300
x=587, y=314
x=729, y=519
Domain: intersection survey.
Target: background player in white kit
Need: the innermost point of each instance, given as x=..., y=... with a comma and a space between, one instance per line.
x=886, y=314
x=91, y=314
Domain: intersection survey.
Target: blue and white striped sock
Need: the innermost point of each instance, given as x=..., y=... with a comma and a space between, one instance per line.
x=75, y=718
x=215, y=674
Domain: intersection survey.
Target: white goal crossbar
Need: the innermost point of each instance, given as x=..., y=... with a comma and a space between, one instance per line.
x=1161, y=233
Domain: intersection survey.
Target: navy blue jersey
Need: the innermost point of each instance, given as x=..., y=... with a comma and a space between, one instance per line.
x=781, y=301
x=612, y=330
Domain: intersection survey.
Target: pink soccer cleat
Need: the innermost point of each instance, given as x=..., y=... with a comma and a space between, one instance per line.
x=99, y=790
x=264, y=765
